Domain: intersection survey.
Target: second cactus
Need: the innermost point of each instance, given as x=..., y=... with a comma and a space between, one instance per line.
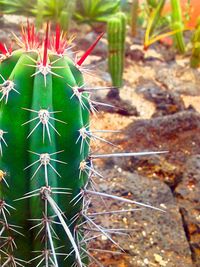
x=116, y=31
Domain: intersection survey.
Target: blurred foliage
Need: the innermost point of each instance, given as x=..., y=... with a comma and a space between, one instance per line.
x=90, y=11
x=160, y=24
x=19, y=7
x=59, y=11
x=177, y=24
x=195, y=57
x=134, y=17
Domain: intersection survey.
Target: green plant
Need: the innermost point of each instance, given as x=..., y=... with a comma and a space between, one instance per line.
x=157, y=24
x=177, y=25
x=19, y=7
x=90, y=11
x=116, y=31
x=58, y=11
x=195, y=57
x=46, y=166
x=153, y=20
x=41, y=93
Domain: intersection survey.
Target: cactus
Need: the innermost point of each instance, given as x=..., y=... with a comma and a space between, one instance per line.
x=45, y=161
x=177, y=25
x=195, y=57
x=116, y=31
x=41, y=94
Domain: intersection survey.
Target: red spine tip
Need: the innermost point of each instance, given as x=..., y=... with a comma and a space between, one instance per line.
x=28, y=31
x=90, y=49
x=3, y=49
x=46, y=43
x=57, y=44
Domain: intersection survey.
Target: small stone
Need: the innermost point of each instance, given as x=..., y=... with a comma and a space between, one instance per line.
x=119, y=169
x=125, y=220
x=160, y=260
x=163, y=206
x=144, y=233
x=103, y=237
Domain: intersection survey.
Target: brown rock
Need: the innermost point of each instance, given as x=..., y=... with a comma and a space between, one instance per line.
x=156, y=237
x=187, y=194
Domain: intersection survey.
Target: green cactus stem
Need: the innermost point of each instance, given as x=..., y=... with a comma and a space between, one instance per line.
x=43, y=147
x=116, y=31
x=177, y=25
x=195, y=57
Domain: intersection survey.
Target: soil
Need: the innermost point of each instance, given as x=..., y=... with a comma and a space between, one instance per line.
x=158, y=110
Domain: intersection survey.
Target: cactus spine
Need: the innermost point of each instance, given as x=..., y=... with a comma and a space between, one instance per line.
x=116, y=31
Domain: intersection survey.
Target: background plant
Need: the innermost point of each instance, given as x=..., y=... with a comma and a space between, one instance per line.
x=59, y=11
x=116, y=31
x=19, y=7
x=195, y=57
x=90, y=11
x=177, y=25
x=134, y=17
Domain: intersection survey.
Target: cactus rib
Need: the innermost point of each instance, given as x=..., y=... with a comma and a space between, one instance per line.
x=116, y=31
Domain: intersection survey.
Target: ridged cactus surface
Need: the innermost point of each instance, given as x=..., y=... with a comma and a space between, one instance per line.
x=195, y=58
x=177, y=25
x=116, y=30
x=43, y=147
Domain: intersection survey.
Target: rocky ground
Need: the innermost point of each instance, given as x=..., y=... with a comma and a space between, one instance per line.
x=163, y=99
x=159, y=110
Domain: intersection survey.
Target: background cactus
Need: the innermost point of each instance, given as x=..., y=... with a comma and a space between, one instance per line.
x=195, y=57
x=116, y=31
x=177, y=25
x=45, y=161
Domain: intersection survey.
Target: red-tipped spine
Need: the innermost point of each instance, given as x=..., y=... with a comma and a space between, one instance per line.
x=57, y=45
x=46, y=43
x=28, y=32
x=3, y=49
x=89, y=51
